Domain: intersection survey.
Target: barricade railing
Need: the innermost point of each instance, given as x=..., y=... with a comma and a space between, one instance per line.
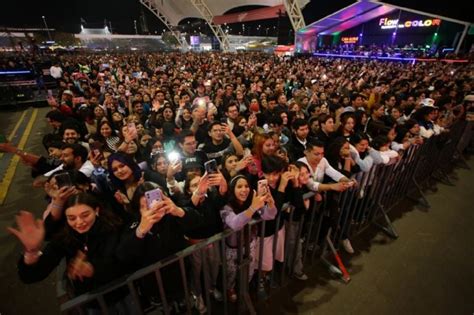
x=315, y=235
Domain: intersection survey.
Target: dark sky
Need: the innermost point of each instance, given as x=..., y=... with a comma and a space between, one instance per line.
x=65, y=15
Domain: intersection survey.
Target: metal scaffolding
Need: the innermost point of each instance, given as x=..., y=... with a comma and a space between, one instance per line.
x=150, y=5
x=207, y=15
x=294, y=13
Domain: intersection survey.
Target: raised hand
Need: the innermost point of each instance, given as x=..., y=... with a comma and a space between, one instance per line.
x=121, y=198
x=30, y=232
x=203, y=185
x=149, y=216
x=169, y=206
x=79, y=268
x=244, y=162
x=63, y=193
x=258, y=201
x=96, y=159
x=341, y=186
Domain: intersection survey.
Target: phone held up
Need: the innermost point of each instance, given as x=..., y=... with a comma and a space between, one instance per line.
x=132, y=129
x=96, y=148
x=153, y=195
x=262, y=187
x=211, y=166
x=63, y=180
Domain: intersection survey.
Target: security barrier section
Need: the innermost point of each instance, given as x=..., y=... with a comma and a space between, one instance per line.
x=312, y=238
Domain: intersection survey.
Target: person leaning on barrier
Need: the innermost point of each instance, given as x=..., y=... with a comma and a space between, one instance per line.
x=301, y=205
x=381, y=143
x=319, y=166
x=340, y=158
x=243, y=205
x=364, y=156
x=413, y=129
x=88, y=242
x=278, y=175
x=157, y=232
x=207, y=194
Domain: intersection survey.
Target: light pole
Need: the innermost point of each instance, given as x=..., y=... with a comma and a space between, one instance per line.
x=46, y=26
x=135, y=26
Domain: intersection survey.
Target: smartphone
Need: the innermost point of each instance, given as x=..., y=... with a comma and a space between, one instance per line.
x=132, y=128
x=96, y=147
x=173, y=157
x=262, y=187
x=211, y=166
x=63, y=180
x=153, y=195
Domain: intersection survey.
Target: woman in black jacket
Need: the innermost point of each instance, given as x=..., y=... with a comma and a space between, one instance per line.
x=207, y=194
x=157, y=233
x=88, y=242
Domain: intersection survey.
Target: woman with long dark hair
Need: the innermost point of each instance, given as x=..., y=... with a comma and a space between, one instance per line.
x=339, y=157
x=125, y=175
x=346, y=129
x=157, y=233
x=106, y=135
x=88, y=242
x=243, y=205
x=207, y=195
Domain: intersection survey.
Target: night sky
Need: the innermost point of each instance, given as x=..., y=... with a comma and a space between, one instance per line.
x=66, y=15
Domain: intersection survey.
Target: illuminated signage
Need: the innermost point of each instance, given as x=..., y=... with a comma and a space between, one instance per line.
x=386, y=23
x=350, y=40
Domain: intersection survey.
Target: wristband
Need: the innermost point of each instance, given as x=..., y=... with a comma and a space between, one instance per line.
x=32, y=254
x=20, y=152
x=53, y=205
x=139, y=234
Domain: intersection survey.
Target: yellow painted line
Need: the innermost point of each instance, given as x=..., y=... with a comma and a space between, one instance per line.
x=12, y=134
x=8, y=178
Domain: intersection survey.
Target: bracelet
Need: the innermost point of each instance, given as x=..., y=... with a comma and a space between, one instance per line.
x=33, y=254
x=53, y=205
x=20, y=152
x=139, y=234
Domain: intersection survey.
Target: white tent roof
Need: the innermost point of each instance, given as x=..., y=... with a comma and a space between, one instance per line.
x=177, y=10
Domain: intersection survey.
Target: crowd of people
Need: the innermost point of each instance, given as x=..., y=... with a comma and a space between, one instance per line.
x=151, y=153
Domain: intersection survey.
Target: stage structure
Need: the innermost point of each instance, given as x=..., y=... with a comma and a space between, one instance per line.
x=368, y=22
x=171, y=12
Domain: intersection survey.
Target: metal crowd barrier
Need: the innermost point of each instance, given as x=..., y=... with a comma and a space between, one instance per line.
x=318, y=232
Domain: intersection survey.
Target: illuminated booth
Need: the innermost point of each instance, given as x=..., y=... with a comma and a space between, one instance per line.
x=367, y=23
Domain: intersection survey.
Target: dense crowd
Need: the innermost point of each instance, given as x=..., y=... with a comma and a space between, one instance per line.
x=151, y=153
